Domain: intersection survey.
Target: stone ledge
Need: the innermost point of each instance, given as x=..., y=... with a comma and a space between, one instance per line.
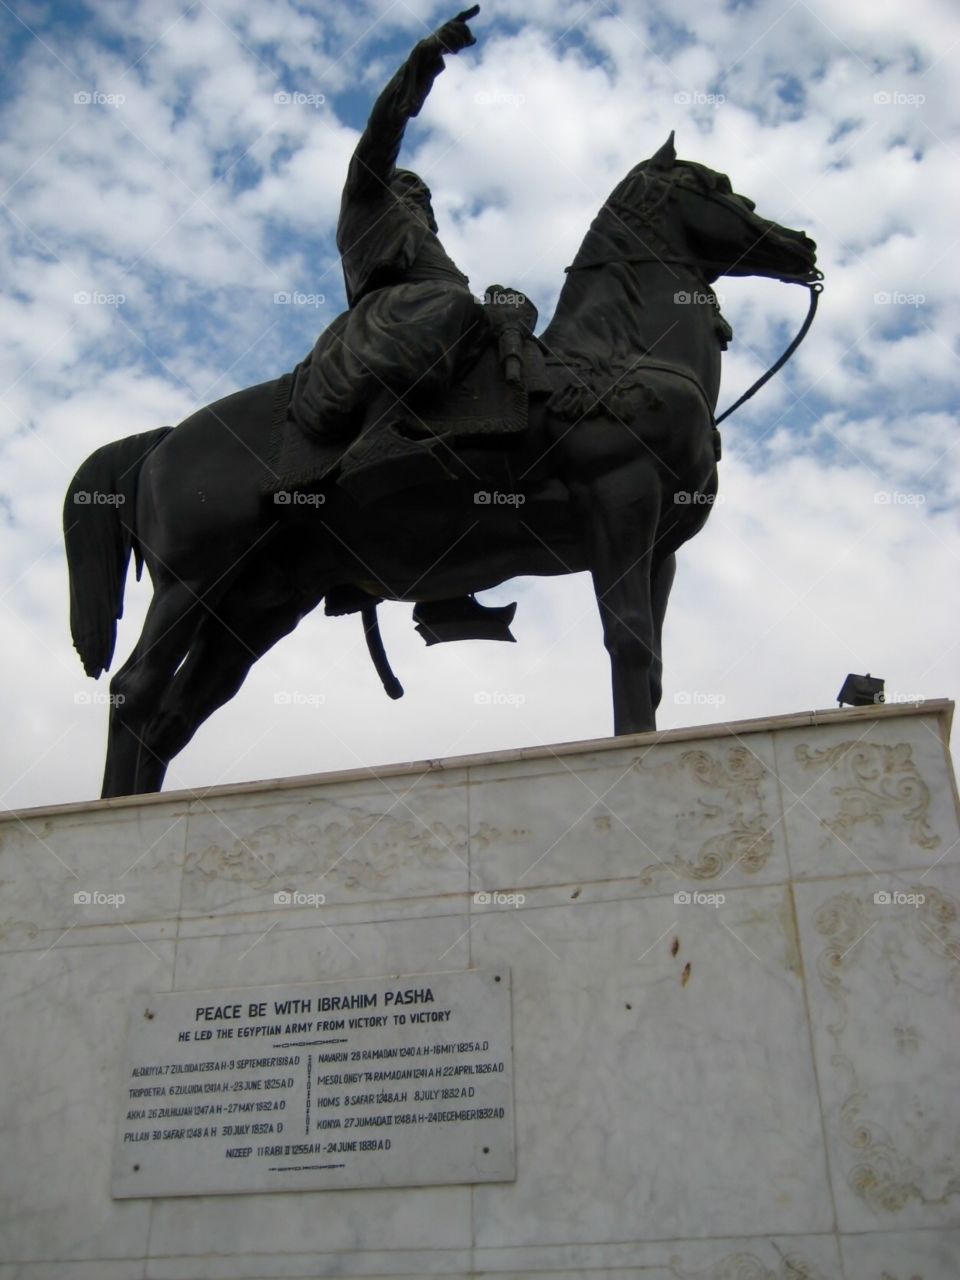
x=942, y=708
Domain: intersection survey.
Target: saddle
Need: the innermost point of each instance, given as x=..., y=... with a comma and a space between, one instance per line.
x=404, y=440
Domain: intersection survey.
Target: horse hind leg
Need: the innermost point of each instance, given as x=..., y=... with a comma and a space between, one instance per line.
x=226, y=646
x=138, y=686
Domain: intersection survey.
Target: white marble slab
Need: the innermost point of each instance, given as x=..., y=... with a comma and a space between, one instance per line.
x=868, y=795
x=884, y=989
x=680, y=815
x=664, y=1076
x=99, y=1269
x=901, y=1255
x=62, y=1030
x=367, y=841
x=240, y=1228
x=125, y=867
x=312, y=1266
x=272, y=950
x=671, y=1053
x=774, y=1258
x=784, y=1258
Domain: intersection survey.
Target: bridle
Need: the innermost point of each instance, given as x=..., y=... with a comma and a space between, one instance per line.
x=698, y=266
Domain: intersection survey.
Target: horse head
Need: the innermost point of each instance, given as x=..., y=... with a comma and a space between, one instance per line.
x=677, y=211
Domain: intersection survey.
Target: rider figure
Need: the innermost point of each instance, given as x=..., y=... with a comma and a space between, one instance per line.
x=411, y=314
x=410, y=308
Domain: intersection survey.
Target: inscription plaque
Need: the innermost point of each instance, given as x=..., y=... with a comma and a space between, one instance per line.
x=382, y=1082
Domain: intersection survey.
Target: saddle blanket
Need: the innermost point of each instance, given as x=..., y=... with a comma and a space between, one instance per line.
x=399, y=443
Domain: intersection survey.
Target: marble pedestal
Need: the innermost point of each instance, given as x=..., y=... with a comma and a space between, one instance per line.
x=735, y=958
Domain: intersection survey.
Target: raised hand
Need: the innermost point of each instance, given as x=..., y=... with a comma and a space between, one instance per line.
x=455, y=34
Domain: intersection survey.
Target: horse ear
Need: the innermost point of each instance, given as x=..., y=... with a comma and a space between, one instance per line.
x=666, y=157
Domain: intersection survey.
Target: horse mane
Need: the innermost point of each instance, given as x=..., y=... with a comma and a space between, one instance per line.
x=618, y=229
x=632, y=225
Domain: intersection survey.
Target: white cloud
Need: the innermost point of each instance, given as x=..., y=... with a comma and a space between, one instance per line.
x=199, y=196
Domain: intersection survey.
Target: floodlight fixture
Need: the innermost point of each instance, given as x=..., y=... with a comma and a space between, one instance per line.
x=861, y=691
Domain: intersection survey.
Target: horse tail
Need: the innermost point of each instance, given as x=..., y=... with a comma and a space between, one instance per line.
x=99, y=529
x=371, y=630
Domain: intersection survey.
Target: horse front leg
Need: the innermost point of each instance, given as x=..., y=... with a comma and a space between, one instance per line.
x=622, y=510
x=661, y=581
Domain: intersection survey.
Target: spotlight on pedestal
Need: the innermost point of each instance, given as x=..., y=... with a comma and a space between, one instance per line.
x=861, y=691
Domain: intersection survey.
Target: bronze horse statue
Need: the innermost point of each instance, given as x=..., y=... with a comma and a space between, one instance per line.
x=616, y=469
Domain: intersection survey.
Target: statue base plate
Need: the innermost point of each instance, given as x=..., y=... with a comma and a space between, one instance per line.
x=733, y=953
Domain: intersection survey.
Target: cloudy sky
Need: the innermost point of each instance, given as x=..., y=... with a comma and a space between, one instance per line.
x=166, y=169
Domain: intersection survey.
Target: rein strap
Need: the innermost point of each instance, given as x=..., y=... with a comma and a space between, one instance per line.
x=816, y=288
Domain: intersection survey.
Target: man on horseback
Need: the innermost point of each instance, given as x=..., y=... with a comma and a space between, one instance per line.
x=412, y=321
x=411, y=313
x=195, y=496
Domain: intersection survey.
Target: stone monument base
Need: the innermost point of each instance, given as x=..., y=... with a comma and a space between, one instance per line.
x=734, y=958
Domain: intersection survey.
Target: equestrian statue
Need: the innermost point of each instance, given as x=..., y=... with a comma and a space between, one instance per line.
x=430, y=446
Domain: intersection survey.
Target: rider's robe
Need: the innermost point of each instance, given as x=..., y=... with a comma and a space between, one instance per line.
x=411, y=311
